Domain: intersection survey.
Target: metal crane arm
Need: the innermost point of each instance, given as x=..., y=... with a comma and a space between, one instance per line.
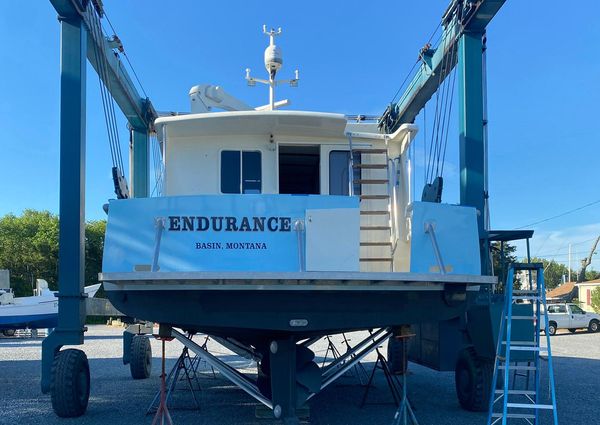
x=139, y=110
x=437, y=63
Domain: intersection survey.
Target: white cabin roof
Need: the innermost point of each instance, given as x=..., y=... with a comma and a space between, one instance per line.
x=315, y=124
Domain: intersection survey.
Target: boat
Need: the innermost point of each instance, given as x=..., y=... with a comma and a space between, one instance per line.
x=35, y=312
x=274, y=227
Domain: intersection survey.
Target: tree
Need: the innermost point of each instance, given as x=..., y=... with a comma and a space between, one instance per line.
x=29, y=249
x=591, y=275
x=553, y=272
x=510, y=256
x=94, y=247
x=501, y=261
x=596, y=299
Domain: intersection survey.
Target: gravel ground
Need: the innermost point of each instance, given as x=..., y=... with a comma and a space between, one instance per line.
x=117, y=399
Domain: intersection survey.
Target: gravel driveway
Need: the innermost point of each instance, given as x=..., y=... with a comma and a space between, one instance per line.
x=117, y=399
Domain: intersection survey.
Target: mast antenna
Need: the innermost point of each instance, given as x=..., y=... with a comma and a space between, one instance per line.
x=273, y=63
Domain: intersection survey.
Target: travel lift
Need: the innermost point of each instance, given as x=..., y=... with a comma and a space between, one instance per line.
x=65, y=373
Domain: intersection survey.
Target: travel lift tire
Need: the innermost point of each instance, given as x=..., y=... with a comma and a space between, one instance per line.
x=70, y=385
x=9, y=332
x=396, y=360
x=140, y=359
x=473, y=378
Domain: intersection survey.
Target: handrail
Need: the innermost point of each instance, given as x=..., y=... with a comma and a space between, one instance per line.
x=299, y=228
x=350, y=166
x=392, y=180
x=429, y=229
x=159, y=224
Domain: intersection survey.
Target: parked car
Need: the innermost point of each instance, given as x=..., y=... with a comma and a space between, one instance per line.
x=571, y=317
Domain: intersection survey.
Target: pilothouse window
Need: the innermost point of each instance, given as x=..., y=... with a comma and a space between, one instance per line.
x=299, y=170
x=241, y=172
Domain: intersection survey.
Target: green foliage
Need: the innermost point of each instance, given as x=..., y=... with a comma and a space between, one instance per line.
x=596, y=299
x=501, y=262
x=29, y=249
x=510, y=256
x=592, y=275
x=554, y=272
x=94, y=245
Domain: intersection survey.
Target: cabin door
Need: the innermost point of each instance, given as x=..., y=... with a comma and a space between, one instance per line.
x=299, y=170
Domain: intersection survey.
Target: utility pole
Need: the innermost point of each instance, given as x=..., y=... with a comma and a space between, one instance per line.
x=569, y=262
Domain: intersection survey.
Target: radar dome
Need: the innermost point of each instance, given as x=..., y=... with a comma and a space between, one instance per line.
x=273, y=58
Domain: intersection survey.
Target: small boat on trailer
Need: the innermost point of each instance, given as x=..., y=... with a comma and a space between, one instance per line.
x=273, y=228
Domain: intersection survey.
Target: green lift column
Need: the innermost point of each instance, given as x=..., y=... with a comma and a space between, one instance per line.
x=140, y=185
x=71, y=256
x=472, y=143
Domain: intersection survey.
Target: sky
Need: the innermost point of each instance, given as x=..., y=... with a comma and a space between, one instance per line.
x=543, y=82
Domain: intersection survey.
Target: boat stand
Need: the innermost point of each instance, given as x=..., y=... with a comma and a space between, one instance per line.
x=357, y=370
x=186, y=365
x=162, y=413
x=392, y=380
x=199, y=360
x=291, y=387
x=405, y=413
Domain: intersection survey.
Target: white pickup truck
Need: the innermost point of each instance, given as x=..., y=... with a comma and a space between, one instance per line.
x=571, y=317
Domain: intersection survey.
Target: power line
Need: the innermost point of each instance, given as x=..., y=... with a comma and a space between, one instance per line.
x=560, y=215
x=573, y=254
x=582, y=242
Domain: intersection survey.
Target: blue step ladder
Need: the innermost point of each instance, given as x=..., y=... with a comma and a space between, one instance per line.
x=507, y=402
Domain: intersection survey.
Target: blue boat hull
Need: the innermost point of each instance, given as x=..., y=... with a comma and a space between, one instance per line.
x=37, y=321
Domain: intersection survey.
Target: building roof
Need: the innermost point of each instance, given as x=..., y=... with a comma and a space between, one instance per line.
x=561, y=291
x=568, y=287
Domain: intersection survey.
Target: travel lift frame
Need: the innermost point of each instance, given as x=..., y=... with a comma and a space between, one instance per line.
x=62, y=369
x=79, y=43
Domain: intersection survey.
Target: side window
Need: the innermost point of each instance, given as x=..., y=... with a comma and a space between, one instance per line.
x=251, y=172
x=338, y=172
x=562, y=309
x=552, y=309
x=576, y=309
x=241, y=172
x=230, y=172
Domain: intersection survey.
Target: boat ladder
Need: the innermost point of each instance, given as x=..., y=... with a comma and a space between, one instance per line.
x=371, y=173
x=526, y=404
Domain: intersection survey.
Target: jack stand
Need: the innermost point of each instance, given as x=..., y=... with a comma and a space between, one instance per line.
x=405, y=411
x=162, y=413
x=198, y=360
x=358, y=369
x=392, y=380
x=189, y=367
x=330, y=348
